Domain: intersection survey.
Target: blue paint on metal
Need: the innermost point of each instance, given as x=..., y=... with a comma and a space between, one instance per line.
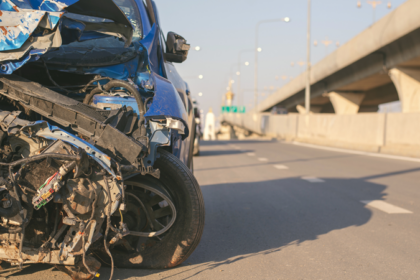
x=43, y=5
x=71, y=30
x=22, y=4
x=6, y=6
x=145, y=22
x=119, y=71
x=56, y=6
x=167, y=103
x=9, y=67
x=20, y=26
x=150, y=42
x=53, y=20
x=7, y=44
x=127, y=101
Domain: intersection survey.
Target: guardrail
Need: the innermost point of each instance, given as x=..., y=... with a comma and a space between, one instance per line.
x=391, y=133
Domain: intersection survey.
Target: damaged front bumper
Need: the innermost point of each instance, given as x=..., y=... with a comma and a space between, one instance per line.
x=65, y=149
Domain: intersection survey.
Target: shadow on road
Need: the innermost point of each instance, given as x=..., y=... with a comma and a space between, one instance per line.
x=252, y=217
x=259, y=218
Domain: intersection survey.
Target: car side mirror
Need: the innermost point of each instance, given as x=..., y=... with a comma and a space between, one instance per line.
x=176, y=48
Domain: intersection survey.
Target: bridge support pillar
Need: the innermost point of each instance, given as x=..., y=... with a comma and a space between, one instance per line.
x=407, y=82
x=346, y=103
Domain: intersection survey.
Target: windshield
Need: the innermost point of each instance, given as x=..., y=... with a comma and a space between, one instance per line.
x=100, y=51
x=129, y=8
x=131, y=11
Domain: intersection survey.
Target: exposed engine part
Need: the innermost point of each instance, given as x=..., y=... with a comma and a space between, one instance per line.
x=59, y=195
x=68, y=112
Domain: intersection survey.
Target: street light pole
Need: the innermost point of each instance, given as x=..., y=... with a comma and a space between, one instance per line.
x=240, y=96
x=308, y=63
x=374, y=4
x=257, y=50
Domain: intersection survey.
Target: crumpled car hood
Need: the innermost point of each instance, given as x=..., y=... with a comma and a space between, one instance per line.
x=29, y=28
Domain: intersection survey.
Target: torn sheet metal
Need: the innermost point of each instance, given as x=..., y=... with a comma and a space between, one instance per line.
x=17, y=27
x=20, y=18
x=42, y=5
x=18, y=43
x=29, y=28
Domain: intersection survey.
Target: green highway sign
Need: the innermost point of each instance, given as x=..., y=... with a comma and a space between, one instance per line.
x=233, y=109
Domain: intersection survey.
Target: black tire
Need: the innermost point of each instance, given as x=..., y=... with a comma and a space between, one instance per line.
x=177, y=244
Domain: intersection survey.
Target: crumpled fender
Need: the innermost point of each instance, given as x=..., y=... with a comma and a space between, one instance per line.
x=167, y=103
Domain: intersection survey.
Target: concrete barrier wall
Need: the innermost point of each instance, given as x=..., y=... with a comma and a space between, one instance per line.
x=362, y=131
x=402, y=135
x=393, y=133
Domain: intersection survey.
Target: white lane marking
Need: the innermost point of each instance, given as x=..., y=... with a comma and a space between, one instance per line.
x=312, y=179
x=263, y=159
x=355, y=152
x=251, y=154
x=281, y=167
x=386, y=207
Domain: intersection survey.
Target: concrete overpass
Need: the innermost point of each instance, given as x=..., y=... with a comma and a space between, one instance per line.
x=381, y=64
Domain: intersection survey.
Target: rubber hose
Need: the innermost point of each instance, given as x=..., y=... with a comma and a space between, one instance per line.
x=136, y=95
x=91, y=82
x=89, y=97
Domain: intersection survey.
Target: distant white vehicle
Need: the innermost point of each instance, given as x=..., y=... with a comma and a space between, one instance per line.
x=209, y=129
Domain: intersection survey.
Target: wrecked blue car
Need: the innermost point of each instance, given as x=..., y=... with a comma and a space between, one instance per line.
x=95, y=138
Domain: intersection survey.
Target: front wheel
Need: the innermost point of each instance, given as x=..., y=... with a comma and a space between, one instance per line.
x=175, y=245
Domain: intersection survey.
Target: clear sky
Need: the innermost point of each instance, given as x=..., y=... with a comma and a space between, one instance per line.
x=224, y=27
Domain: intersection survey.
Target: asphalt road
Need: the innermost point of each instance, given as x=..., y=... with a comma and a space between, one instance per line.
x=282, y=211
